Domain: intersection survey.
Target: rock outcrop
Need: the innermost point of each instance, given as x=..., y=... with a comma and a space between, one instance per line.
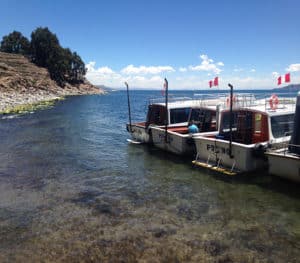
x=22, y=82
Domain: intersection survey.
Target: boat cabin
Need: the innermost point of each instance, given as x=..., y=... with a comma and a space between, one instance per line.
x=157, y=115
x=252, y=126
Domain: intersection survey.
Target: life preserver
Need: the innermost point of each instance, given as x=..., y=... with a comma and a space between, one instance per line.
x=228, y=100
x=273, y=102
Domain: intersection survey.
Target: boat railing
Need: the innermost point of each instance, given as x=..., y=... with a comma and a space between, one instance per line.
x=266, y=101
x=197, y=99
x=285, y=148
x=239, y=100
x=280, y=101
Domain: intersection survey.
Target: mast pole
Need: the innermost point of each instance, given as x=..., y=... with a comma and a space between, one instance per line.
x=230, y=121
x=166, y=84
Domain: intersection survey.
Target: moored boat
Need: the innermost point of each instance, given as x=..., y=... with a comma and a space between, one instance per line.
x=176, y=114
x=178, y=140
x=285, y=162
x=244, y=134
x=205, y=115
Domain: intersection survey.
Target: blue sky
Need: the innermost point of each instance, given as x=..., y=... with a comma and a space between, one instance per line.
x=247, y=43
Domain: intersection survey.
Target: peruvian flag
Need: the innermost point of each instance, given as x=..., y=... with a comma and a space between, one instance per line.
x=287, y=77
x=279, y=81
x=216, y=81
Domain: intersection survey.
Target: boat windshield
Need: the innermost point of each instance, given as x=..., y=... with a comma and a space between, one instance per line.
x=282, y=125
x=179, y=115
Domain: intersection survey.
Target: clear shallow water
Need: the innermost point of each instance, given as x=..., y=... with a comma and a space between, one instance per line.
x=72, y=189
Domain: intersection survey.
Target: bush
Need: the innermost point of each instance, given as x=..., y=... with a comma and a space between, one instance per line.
x=45, y=51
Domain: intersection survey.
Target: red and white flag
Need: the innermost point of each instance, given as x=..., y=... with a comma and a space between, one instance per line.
x=279, y=80
x=216, y=81
x=287, y=79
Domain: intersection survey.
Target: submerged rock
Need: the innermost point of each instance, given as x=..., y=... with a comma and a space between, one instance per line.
x=214, y=248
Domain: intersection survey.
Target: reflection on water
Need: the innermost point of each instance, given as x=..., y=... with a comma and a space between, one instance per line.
x=72, y=189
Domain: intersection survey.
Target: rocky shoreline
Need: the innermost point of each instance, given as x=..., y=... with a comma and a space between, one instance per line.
x=24, y=86
x=29, y=99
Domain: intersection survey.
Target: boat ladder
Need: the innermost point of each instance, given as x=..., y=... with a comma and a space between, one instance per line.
x=219, y=162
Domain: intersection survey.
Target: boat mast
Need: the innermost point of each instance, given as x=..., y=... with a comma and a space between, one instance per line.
x=230, y=121
x=128, y=102
x=167, y=115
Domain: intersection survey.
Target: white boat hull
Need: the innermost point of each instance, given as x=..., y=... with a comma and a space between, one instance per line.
x=139, y=133
x=181, y=144
x=284, y=165
x=216, y=152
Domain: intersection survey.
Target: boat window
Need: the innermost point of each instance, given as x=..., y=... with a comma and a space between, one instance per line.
x=179, y=115
x=282, y=125
x=226, y=122
x=156, y=115
x=257, y=125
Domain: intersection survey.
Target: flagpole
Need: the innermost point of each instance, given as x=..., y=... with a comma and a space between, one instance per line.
x=128, y=102
x=167, y=117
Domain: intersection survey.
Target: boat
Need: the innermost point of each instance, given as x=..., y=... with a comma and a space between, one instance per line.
x=178, y=139
x=285, y=161
x=174, y=115
x=244, y=134
x=168, y=112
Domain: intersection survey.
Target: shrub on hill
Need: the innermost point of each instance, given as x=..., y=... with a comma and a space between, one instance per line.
x=45, y=50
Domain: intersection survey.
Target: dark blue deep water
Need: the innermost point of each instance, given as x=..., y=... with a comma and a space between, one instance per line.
x=73, y=190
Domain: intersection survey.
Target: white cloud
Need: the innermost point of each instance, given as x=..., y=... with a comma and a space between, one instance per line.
x=207, y=65
x=238, y=70
x=253, y=70
x=110, y=77
x=132, y=70
x=293, y=67
x=182, y=69
x=105, y=70
x=154, y=82
x=102, y=75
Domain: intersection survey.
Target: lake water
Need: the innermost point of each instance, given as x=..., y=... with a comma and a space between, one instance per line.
x=73, y=189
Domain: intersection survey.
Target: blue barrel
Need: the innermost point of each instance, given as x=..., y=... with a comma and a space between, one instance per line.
x=295, y=139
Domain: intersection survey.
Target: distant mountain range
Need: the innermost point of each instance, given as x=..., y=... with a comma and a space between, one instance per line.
x=289, y=88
